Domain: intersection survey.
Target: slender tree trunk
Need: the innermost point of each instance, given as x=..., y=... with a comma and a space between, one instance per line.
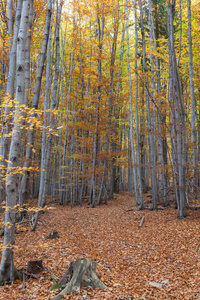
x=27, y=83
x=35, y=101
x=162, y=177
x=136, y=112
x=175, y=95
x=180, y=37
x=10, y=21
x=6, y=128
x=131, y=109
x=109, y=117
x=150, y=127
x=193, y=104
x=100, y=23
x=47, y=149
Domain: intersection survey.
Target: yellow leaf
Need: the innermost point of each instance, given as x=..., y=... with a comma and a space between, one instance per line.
x=17, y=281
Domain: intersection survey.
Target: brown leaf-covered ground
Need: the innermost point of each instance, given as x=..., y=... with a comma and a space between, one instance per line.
x=164, y=250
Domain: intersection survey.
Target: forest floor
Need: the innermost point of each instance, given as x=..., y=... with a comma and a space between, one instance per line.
x=160, y=260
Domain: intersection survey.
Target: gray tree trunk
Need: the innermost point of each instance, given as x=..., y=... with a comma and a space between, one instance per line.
x=131, y=108
x=150, y=125
x=46, y=149
x=136, y=112
x=7, y=270
x=178, y=113
x=10, y=21
x=100, y=24
x=35, y=100
x=161, y=173
x=193, y=104
x=6, y=128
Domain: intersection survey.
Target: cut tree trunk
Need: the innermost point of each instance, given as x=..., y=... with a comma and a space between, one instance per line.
x=35, y=266
x=80, y=273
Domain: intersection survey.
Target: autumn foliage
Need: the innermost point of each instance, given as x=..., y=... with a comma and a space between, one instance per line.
x=99, y=99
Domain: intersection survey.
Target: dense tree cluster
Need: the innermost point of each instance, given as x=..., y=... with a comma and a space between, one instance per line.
x=97, y=97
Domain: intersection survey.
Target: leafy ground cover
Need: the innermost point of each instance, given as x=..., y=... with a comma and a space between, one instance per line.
x=160, y=260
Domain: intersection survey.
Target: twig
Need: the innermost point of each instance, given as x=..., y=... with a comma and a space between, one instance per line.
x=171, y=219
x=141, y=222
x=29, y=274
x=22, y=222
x=135, y=246
x=130, y=209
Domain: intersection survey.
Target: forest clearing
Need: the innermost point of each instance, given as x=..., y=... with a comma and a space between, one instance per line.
x=165, y=250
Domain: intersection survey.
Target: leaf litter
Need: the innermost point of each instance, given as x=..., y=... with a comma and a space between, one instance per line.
x=159, y=260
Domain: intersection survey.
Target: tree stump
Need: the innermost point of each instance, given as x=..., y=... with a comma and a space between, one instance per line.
x=52, y=235
x=80, y=273
x=35, y=266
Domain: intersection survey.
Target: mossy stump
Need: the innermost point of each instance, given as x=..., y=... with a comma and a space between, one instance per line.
x=81, y=273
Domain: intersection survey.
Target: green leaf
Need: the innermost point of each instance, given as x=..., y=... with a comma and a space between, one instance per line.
x=55, y=286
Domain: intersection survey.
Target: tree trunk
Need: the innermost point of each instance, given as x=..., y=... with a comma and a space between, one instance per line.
x=136, y=112
x=178, y=112
x=161, y=172
x=131, y=109
x=193, y=105
x=149, y=121
x=82, y=273
x=7, y=270
x=35, y=100
x=6, y=128
x=47, y=147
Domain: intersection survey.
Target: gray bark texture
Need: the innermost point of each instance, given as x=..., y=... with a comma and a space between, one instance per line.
x=46, y=147
x=161, y=173
x=149, y=119
x=6, y=128
x=131, y=108
x=35, y=101
x=7, y=270
x=136, y=112
x=10, y=21
x=178, y=115
x=82, y=273
x=193, y=103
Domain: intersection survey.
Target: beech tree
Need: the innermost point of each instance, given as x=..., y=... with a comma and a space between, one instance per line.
x=8, y=271
x=193, y=103
x=6, y=128
x=98, y=97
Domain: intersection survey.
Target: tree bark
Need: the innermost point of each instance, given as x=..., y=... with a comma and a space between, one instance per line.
x=178, y=114
x=83, y=274
x=35, y=101
x=193, y=104
x=131, y=109
x=46, y=149
x=6, y=128
x=136, y=112
x=149, y=119
x=7, y=270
